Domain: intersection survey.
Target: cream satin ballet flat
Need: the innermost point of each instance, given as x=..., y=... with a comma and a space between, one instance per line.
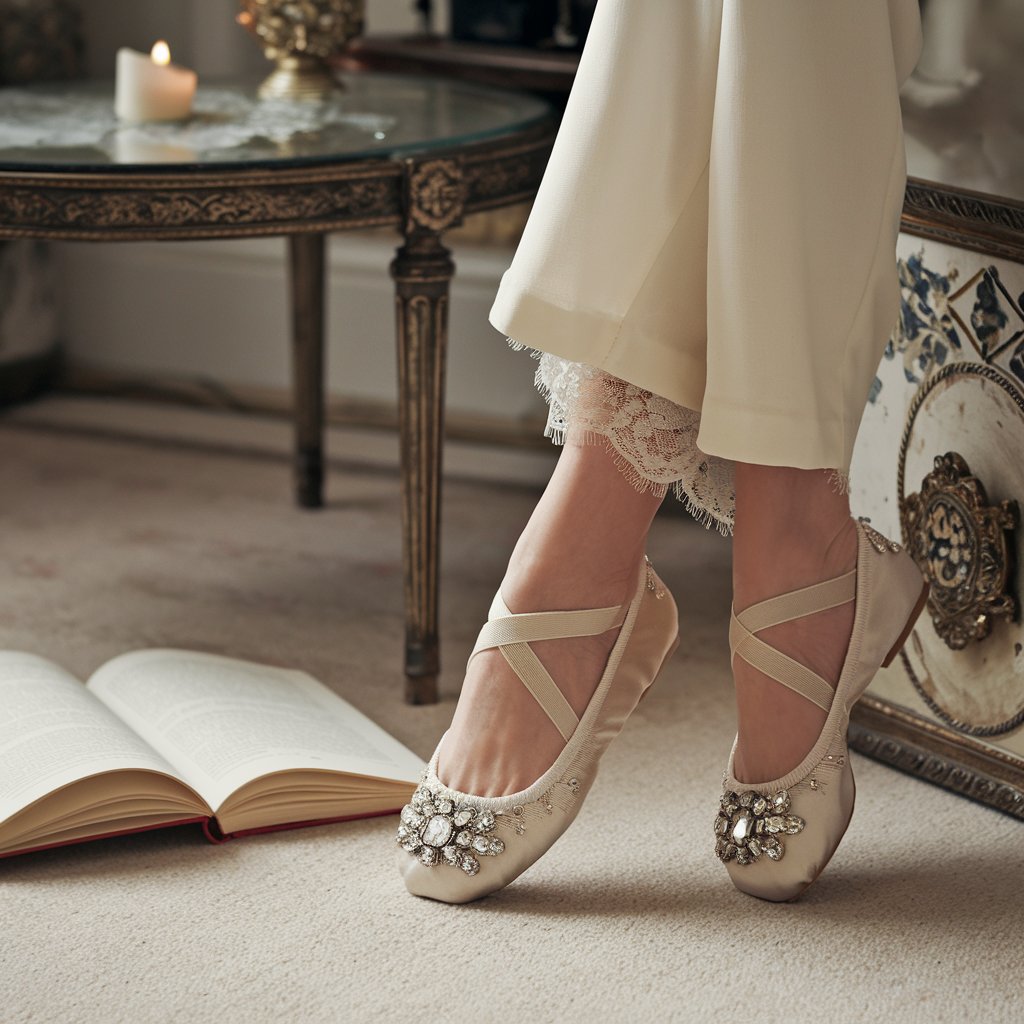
x=776, y=837
x=456, y=847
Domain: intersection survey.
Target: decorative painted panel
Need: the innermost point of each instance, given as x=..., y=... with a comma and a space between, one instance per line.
x=940, y=463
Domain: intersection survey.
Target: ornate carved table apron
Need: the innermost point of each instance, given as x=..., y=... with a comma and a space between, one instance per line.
x=416, y=154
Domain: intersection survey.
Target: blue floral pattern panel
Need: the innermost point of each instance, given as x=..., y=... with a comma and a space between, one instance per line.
x=926, y=333
x=987, y=313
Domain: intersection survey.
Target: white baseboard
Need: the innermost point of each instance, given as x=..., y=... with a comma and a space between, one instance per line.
x=218, y=311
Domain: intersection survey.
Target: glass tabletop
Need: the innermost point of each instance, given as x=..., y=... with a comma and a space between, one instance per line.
x=72, y=127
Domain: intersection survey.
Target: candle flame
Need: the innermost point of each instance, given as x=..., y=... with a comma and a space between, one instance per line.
x=161, y=53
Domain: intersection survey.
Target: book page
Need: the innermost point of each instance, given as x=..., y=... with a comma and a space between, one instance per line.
x=223, y=723
x=54, y=732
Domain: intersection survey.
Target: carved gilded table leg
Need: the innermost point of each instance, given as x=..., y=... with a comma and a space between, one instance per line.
x=306, y=266
x=422, y=271
x=433, y=194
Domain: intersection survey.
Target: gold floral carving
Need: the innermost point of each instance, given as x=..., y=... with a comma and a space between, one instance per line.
x=959, y=542
x=168, y=208
x=436, y=194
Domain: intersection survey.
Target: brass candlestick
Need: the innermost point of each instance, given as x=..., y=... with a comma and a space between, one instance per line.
x=299, y=36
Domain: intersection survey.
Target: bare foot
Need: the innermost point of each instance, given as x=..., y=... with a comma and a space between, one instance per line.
x=581, y=549
x=776, y=726
x=500, y=741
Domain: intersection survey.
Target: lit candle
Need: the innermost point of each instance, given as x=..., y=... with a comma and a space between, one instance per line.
x=150, y=88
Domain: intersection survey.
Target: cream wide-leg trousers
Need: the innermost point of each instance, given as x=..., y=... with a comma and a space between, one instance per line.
x=708, y=272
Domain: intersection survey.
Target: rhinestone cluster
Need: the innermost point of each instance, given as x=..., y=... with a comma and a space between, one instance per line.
x=653, y=584
x=879, y=541
x=440, y=831
x=750, y=824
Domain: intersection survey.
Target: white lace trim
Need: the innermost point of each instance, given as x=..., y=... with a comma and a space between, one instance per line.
x=654, y=441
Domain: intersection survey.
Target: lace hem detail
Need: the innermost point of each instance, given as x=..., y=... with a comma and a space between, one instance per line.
x=653, y=440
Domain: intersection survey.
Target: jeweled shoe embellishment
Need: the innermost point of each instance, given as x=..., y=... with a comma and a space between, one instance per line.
x=652, y=581
x=750, y=824
x=439, y=831
x=877, y=540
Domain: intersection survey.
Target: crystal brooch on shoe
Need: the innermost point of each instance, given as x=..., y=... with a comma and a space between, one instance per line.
x=750, y=824
x=438, y=830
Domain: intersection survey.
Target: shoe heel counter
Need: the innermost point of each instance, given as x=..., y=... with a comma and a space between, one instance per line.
x=663, y=612
x=896, y=600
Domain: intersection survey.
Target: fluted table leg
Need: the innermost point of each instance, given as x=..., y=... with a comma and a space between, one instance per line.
x=422, y=271
x=306, y=274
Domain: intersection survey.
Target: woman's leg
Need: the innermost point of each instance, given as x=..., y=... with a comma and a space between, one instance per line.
x=580, y=549
x=793, y=528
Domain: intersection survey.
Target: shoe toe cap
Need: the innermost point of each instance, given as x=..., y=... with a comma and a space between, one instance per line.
x=825, y=814
x=443, y=882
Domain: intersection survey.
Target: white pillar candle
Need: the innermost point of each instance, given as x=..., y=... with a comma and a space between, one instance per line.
x=150, y=88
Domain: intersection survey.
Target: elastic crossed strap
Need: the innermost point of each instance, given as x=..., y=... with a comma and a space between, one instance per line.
x=797, y=603
x=512, y=635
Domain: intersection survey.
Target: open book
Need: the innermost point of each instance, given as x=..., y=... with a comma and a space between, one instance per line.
x=164, y=737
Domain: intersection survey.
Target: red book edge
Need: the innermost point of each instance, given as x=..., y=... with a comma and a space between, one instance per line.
x=209, y=826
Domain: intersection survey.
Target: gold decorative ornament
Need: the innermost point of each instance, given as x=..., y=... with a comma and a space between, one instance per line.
x=436, y=194
x=300, y=36
x=959, y=542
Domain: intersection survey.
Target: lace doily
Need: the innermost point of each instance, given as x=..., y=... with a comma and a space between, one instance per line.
x=654, y=441
x=222, y=119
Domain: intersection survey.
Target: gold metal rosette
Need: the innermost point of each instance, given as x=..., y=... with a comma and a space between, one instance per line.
x=959, y=474
x=960, y=542
x=300, y=36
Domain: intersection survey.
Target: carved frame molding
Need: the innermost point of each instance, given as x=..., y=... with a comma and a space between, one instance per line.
x=971, y=220
x=937, y=754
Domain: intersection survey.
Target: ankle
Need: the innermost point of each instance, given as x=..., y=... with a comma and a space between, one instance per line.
x=792, y=558
x=534, y=582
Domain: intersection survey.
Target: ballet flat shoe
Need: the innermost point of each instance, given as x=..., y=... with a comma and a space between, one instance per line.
x=456, y=847
x=776, y=837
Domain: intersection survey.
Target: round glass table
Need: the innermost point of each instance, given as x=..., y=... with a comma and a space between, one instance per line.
x=414, y=153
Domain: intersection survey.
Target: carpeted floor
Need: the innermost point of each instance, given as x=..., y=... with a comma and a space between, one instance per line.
x=108, y=544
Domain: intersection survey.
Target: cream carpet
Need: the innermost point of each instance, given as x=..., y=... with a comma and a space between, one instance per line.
x=109, y=543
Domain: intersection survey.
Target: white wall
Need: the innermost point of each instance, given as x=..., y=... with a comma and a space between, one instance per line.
x=217, y=310
x=202, y=33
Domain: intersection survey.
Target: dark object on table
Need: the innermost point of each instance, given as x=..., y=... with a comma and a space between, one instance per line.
x=40, y=41
x=508, y=22
x=549, y=72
